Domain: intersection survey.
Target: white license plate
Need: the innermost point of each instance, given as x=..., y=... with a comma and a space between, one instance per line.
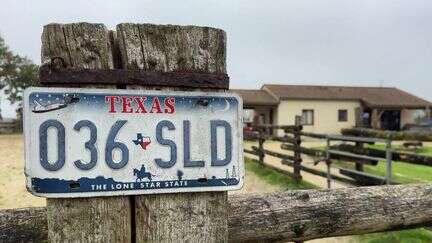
x=89, y=142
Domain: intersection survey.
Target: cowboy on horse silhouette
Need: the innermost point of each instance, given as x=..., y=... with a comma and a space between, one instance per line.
x=141, y=174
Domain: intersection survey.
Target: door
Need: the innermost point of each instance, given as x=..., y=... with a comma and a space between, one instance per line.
x=390, y=120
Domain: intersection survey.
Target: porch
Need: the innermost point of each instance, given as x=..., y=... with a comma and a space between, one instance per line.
x=390, y=118
x=259, y=107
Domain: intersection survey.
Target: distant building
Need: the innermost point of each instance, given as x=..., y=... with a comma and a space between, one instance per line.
x=328, y=109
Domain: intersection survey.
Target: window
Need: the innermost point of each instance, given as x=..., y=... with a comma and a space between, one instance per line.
x=307, y=117
x=342, y=115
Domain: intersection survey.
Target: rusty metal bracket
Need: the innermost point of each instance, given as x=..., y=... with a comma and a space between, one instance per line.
x=55, y=73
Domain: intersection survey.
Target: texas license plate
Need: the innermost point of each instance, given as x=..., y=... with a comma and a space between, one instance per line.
x=89, y=142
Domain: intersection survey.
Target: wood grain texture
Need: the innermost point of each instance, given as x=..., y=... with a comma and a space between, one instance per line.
x=102, y=219
x=23, y=225
x=182, y=217
x=288, y=216
x=189, y=217
x=82, y=45
x=107, y=219
x=129, y=77
x=305, y=215
x=172, y=48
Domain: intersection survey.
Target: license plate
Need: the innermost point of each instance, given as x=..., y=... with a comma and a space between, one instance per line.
x=90, y=142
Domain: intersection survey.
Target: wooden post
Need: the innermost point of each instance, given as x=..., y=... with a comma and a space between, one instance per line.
x=106, y=219
x=181, y=217
x=359, y=166
x=297, y=154
x=328, y=163
x=261, y=141
x=376, y=118
x=388, y=162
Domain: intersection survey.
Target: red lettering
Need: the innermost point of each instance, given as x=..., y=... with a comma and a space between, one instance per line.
x=155, y=106
x=126, y=104
x=169, y=105
x=140, y=103
x=111, y=100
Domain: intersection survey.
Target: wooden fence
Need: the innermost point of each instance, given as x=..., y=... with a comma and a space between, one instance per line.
x=8, y=127
x=284, y=216
x=292, y=137
x=356, y=153
x=393, y=135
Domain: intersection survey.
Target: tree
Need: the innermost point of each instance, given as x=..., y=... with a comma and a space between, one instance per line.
x=16, y=74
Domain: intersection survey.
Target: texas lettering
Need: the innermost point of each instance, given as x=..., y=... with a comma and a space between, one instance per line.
x=137, y=104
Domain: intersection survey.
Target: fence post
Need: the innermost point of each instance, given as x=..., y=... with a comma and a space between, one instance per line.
x=188, y=217
x=328, y=162
x=103, y=219
x=297, y=154
x=388, y=161
x=359, y=166
x=261, y=141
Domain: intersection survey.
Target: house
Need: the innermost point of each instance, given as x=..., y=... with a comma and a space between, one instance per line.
x=328, y=109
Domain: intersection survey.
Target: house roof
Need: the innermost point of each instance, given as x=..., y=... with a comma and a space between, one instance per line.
x=256, y=97
x=385, y=97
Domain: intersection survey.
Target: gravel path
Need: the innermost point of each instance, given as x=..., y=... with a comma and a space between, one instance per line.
x=254, y=184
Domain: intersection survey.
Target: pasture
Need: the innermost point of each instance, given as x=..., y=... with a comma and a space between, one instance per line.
x=401, y=172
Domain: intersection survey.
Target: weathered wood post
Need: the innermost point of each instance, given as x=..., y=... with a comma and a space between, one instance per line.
x=297, y=154
x=388, y=161
x=328, y=162
x=187, y=217
x=261, y=141
x=359, y=165
x=159, y=49
x=106, y=219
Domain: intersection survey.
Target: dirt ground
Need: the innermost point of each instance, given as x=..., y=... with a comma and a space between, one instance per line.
x=254, y=184
x=13, y=193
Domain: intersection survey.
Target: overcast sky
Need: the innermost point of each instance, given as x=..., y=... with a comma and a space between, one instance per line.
x=339, y=42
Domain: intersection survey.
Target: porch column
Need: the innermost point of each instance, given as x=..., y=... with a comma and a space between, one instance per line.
x=375, y=118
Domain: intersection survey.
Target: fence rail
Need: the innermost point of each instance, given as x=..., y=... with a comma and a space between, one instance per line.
x=322, y=154
x=356, y=139
x=393, y=135
x=321, y=173
x=411, y=158
x=293, y=139
x=289, y=216
x=8, y=127
x=364, y=179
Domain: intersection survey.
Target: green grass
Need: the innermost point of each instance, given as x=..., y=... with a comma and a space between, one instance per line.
x=422, y=150
x=274, y=177
x=401, y=172
x=402, y=236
